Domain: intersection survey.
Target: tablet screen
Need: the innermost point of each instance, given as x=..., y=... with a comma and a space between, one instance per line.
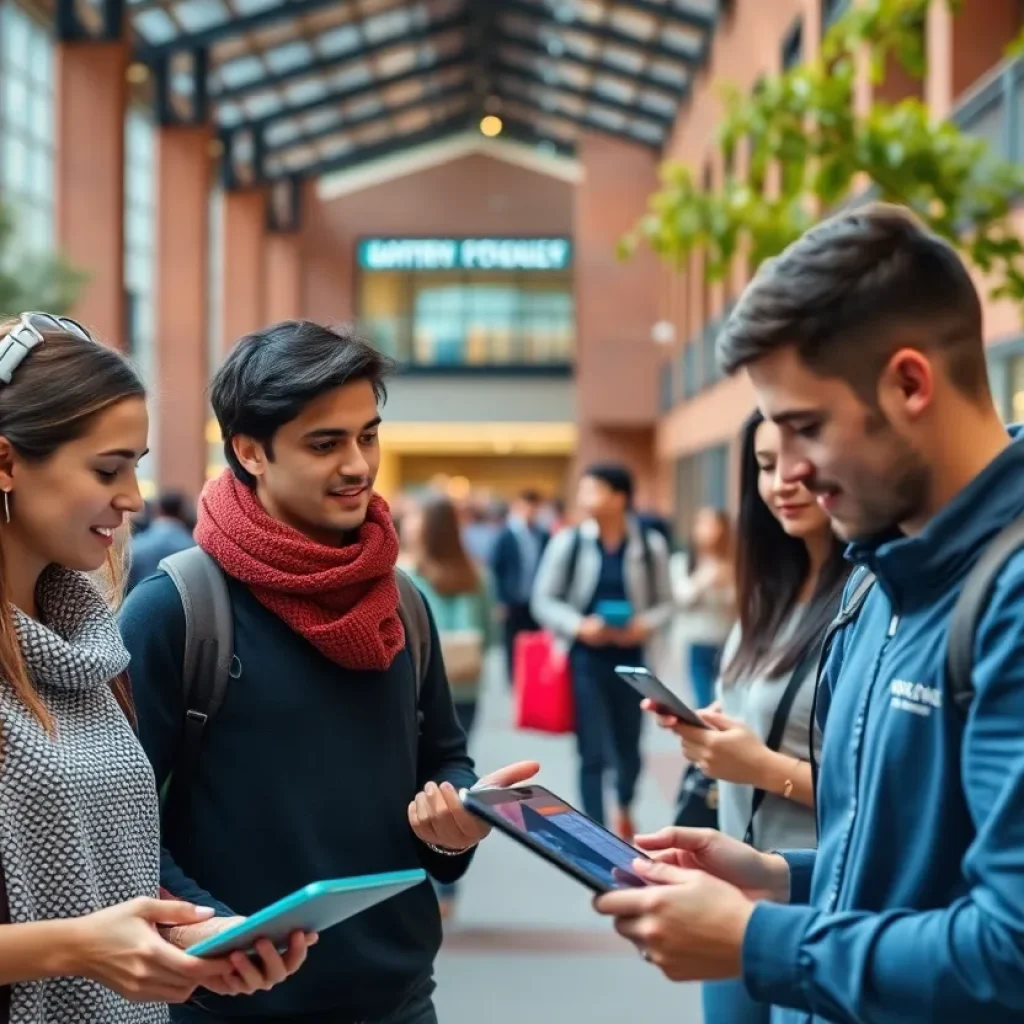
x=569, y=835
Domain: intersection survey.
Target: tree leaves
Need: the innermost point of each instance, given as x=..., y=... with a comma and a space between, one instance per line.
x=808, y=150
x=33, y=281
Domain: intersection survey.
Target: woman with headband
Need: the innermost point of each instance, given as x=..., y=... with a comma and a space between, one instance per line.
x=84, y=934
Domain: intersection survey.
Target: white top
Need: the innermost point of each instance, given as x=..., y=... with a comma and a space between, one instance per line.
x=781, y=824
x=708, y=606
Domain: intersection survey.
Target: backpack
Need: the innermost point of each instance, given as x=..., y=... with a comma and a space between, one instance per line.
x=963, y=624
x=210, y=661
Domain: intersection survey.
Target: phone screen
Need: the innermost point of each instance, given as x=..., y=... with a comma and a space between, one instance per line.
x=566, y=833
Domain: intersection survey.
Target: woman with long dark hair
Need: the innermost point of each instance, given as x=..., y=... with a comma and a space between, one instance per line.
x=790, y=574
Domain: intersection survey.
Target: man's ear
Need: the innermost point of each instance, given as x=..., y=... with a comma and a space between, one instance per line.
x=907, y=383
x=250, y=453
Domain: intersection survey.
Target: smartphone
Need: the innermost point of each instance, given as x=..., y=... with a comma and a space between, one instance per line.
x=554, y=830
x=314, y=908
x=650, y=686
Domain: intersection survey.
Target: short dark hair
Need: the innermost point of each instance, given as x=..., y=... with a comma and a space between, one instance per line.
x=530, y=496
x=615, y=476
x=172, y=504
x=272, y=374
x=835, y=291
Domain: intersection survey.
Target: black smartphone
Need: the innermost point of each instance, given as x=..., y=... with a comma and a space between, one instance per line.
x=648, y=685
x=553, y=829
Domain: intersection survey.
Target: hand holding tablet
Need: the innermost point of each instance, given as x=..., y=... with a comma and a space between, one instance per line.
x=312, y=909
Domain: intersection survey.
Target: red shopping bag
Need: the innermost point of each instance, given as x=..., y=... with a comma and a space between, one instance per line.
x=543, y=685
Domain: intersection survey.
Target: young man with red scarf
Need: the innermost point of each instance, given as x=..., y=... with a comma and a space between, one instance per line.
x=315, y=766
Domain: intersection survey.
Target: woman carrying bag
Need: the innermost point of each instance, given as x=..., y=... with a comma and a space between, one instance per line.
x=84, y=936
x=462, y=601
x=790, y=577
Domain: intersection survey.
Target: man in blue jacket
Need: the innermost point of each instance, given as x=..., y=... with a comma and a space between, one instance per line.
x=864, y=343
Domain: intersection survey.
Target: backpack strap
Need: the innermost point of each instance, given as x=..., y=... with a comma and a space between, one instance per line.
x=412, y=610
x=803, y=668
x=645, y=541
x=970, y=605
x=209, y=649
x=570, y=568
x=861, y=582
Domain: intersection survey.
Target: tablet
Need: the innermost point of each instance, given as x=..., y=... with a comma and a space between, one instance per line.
x=648, y=685
x=565, y=837
x=315, y=908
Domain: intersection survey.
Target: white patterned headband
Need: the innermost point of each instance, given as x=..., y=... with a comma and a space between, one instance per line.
x=28, y=333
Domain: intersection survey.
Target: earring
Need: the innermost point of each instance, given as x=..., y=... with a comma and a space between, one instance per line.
x=7, y=506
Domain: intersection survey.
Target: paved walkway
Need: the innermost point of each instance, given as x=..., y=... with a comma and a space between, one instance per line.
x=525, y=945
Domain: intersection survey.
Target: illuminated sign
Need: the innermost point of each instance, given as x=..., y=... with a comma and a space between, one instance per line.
x=465, y=253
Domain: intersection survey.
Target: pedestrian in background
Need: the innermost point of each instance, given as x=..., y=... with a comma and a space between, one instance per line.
x=514, y=565
x=707, y=596
x=461, y=599
x=603, y=590
x=169, y=531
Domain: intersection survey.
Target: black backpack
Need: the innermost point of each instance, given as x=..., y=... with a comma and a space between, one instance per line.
x=963, y=624
x=210, y=661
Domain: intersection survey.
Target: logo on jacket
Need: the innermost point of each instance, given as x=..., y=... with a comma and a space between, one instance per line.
x=914, y=697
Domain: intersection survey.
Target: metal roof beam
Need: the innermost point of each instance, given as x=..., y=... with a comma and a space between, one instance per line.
x=600, y=99
x=344, y=95
x=379, y=150
x=364, y=119
x=602, y=32
x=583, y=121
x=519, y=131
x=669, y=12
x=236, y=26
x=330, y=64
x=642, y=79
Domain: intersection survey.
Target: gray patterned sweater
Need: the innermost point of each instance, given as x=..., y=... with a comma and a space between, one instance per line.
x=79, y=825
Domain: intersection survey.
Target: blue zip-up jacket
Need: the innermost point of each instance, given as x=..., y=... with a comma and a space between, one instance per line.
x=912, y=910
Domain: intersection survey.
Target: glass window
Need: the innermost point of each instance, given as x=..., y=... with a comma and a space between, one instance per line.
x=469, y=317
x=26, y=127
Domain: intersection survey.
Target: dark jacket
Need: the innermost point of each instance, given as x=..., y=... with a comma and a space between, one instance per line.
x=306, y=773
x=912, y=910
x=507, y=567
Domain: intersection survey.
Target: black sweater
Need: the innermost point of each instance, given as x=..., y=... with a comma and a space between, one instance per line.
x=305, y=774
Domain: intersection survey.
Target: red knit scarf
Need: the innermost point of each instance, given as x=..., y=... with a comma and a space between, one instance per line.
x=343, y=600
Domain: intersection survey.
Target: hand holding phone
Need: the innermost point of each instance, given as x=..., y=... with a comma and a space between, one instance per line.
x=664, y=700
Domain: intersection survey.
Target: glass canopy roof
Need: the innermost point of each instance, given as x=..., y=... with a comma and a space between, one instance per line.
x=301, y=87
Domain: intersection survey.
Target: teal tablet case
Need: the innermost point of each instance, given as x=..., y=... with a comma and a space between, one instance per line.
x=314, y=908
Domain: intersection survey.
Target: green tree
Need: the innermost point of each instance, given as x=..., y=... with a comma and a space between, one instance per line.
x=809, y=150
x=33, y=281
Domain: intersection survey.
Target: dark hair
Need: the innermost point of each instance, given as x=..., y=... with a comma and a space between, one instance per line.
x=443, y=561
x=615, y=476
x=530, y=496
x=272, y=374
x=55, y=396
x=771, y=571
x=173, y=504
x=839, y=292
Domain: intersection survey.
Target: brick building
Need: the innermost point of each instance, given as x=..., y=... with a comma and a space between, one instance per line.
x=219, y=164
x=969, y=79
